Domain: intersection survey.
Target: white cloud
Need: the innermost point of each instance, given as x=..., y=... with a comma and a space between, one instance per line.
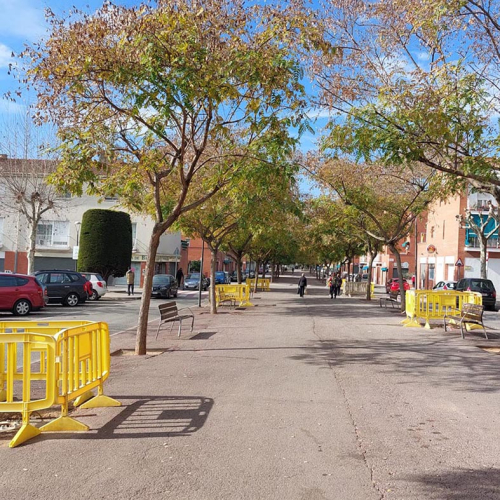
x=22, y=18
x=5, y=56
x=423, y=56
x=12, y=108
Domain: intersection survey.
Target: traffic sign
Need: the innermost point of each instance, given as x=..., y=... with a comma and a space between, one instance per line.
x=459, y=263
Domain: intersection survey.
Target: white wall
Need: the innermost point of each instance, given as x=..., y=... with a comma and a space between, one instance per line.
x=475, y=272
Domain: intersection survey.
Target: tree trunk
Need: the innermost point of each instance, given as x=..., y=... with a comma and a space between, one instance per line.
x=402, y=290
x=257, y=267
x=213, y=265
x=31, y=249
x=483, y=248
x=142, y=327
x=238, y=269
x=370, y=270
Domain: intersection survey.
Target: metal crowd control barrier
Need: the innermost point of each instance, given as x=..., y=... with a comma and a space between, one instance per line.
x=351, y=288
x=433, y=305
x=70, y=358
x=241, y=293
x=263, y=283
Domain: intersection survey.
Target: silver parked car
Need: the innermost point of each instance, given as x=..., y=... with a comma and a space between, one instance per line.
x=445, y=285
x=99, y=286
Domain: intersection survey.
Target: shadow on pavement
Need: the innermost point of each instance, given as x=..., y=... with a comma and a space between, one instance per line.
x=445, y=363
x=148, y=416
x=462, y=484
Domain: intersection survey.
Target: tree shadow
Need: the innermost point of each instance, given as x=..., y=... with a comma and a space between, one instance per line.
x=461, y=484
x=442, y=362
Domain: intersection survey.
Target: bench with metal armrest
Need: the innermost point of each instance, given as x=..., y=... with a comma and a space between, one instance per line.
x=469, y=314
x=169, y=314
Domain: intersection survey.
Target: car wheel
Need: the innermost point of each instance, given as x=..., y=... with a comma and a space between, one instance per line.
x=167, y=295
x=71, y=300
x=22, y=307
x=94, y=295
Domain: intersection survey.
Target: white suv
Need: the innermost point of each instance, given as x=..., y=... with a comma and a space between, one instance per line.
x=99, y=287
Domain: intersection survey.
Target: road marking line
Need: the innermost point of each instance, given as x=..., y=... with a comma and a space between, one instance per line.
x=131, y=328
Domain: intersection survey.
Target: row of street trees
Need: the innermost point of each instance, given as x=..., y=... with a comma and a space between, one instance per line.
x=191, y=112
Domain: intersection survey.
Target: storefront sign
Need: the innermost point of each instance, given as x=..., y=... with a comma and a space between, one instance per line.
x=431, y=249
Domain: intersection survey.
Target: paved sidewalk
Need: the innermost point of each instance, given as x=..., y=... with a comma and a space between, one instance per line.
x=297, y=398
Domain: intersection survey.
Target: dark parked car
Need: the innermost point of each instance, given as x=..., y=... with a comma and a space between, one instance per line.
x=21, y=294
x=67, y=287
x=164, y=286
x=192, y=282
x=483, y=286
x=234, y=276
x=222, y=278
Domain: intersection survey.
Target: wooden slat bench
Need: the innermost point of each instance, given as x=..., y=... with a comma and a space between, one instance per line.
x=169, y=314
x=470, y=314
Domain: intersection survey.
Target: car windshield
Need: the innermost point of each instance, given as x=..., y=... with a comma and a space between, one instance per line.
x=160, y=279
x=220, y=274
x=193, y=276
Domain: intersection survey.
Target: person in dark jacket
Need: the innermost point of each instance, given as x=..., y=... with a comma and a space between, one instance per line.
x=337, y=283
x=179, y=277
x=302, y=284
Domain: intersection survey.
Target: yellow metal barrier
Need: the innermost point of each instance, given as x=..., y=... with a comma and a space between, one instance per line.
x=74, y=359
x=433, y=305
x=16, y=381
x=241, y=294
x=263, y=283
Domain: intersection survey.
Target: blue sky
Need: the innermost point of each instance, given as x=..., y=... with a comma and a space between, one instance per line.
x=23, y=22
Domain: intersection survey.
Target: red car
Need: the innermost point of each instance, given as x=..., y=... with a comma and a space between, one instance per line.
x=21, y=294
x=393, y=286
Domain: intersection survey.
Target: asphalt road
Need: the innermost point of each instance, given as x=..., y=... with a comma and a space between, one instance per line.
x=119, y=311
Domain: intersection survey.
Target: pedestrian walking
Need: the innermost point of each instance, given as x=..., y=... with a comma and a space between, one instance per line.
x=330, y=283
x=302, y=284
x=130, y=274
x=337, y=283
x=179, y=277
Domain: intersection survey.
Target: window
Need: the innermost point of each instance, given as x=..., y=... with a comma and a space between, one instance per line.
x=7, y=281
x=52, y=234
x=60, y=278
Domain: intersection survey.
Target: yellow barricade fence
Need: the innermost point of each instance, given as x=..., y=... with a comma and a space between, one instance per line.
x=74, y=359
x=26, y=358
x=241, y=294
x=433, y=305
x=263, y=283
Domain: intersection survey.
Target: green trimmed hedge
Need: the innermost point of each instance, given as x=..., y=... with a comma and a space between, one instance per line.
x=105, y=242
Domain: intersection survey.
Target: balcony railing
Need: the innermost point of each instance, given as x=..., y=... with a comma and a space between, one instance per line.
x=474, y=243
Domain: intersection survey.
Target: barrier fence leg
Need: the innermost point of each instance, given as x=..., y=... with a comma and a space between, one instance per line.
x=100, y=401
x=64, y=423
x=26, y=432
x=83, y=398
